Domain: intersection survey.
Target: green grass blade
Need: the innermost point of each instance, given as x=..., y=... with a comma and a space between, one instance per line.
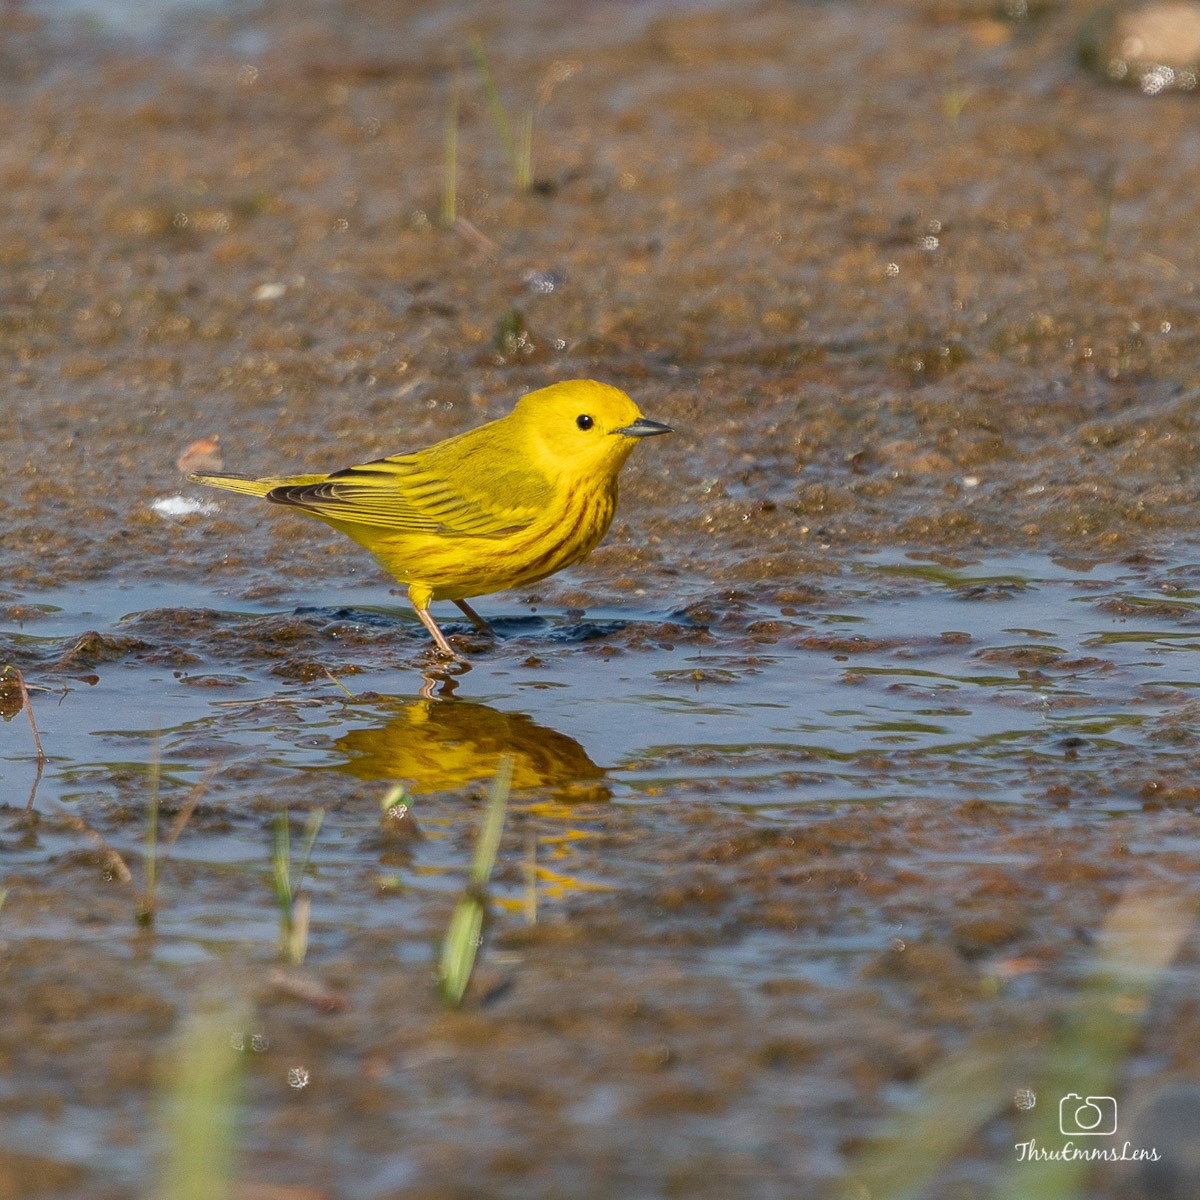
x=524, y=160
x=202, y=1109
x=464, y=934
x=493, y=824
x=281, y=864
x=312, y=826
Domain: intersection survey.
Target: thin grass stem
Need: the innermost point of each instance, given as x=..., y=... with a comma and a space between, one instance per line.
x=495, y=104
x=450, y=163
x=145, y=913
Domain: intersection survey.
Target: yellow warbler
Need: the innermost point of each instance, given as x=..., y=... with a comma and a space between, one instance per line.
x=496, y=507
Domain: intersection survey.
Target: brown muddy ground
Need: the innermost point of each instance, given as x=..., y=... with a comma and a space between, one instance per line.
x=825, y=799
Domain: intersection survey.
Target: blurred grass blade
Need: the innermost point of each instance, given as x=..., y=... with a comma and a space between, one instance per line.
x=493, y=824
x=281, y=864
x=145, y=911
x=201, y=1112
x=287, y=878
x=957, y=1096
x=450, y=163
x=523, y=167
x=464, y=935
x=312, y=826
x=495, y=105
x=531, y=879
x=1139, y=939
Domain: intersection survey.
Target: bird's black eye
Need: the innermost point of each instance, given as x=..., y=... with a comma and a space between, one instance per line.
x=584, y=421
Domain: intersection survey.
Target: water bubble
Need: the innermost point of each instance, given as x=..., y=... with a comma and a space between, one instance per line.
x=542, y=283
x=297, y=1077
x=1157, y=79
x=1024, y=1099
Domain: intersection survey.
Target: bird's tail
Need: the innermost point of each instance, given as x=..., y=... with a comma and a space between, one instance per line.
x=252, y=487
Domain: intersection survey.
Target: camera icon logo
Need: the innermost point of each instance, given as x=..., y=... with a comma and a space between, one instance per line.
x=1095, y=1116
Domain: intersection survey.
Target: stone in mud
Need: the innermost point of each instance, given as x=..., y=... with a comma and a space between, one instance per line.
x=1154, y=46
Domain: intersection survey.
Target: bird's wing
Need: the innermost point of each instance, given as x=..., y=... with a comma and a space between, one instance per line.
x=414, y=494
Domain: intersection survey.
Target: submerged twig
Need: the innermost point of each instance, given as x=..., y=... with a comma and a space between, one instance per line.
x=15, y=673
x=338, y=683
x=184, y=815
x=311, y=991
x=476, y=237
x=156, y=852
x=115, y=862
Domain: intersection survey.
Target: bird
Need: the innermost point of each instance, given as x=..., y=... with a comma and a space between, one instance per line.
x=499, y=506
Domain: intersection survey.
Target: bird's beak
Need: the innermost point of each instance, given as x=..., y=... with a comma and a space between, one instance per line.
x=644, y=427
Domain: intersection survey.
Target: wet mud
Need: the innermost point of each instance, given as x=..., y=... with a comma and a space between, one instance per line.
x=843, y=762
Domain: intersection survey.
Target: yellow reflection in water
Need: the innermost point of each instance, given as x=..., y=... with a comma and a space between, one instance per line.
x=446, y=745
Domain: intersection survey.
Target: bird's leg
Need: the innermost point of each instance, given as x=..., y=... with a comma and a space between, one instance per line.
x=479, y=622
x=438, y=636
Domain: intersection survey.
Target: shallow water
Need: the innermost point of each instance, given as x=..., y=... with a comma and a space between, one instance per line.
x=864, y=743
x=950, y=670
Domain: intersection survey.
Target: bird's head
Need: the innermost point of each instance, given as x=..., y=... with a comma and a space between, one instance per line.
x=584, y=428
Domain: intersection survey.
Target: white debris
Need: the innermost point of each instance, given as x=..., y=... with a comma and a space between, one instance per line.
x=183, y=506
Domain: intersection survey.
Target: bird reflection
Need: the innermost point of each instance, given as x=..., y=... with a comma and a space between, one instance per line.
x=443, y=745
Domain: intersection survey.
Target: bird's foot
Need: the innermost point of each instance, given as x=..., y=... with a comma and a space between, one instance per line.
x=479, y=622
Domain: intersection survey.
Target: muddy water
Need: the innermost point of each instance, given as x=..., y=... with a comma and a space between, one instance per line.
x=830, y=764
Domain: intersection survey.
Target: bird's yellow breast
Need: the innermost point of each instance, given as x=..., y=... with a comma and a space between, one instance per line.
x=457, y=568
